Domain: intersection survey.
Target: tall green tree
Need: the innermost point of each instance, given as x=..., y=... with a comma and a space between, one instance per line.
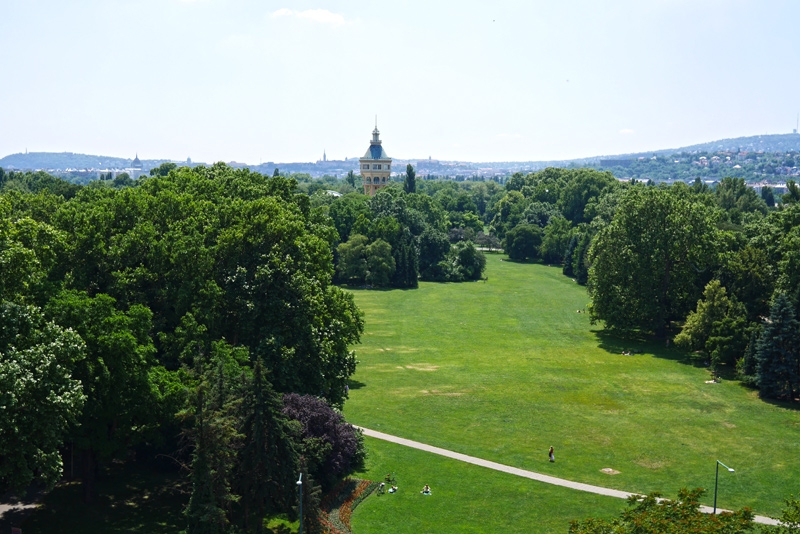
x=410, y=183
x=268, y=460
x=522, y=242
x=646, y=266
x=352, y=265
x=717, y=327
x=380, y=263
x=115, y=375
x=39, y=399
x=778, y=352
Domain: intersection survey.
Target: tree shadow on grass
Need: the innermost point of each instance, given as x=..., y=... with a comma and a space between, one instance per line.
x=131, y=497
x=636, y=343
x=355, y=384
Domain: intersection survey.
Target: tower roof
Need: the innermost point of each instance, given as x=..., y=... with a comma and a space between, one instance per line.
x=375, y=150
x=136, y=164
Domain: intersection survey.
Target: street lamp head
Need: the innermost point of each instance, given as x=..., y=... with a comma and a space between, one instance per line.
x=731, y=469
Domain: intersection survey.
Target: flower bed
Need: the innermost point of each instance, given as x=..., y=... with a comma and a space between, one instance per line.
x=338, y=505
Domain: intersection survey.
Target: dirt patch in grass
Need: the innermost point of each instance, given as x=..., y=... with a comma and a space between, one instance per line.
x=441, y=393
x=726, y=424
x=652, y=463
x=423, y=367
x=609, y=471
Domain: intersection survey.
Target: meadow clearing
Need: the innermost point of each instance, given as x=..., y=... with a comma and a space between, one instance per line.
x=504, y=369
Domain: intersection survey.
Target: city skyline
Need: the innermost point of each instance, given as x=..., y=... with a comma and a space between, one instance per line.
x=254, y=82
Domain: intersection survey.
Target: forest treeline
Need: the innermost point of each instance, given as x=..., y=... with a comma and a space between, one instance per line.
x=195, y=311
x=194, y=315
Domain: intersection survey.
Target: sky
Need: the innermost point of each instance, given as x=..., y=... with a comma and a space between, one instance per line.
x=258, y=80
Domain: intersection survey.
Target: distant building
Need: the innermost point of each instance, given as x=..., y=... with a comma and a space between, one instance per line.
x=136, y=168
x=375, y=166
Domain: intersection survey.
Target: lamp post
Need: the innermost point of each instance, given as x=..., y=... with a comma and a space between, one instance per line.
x=716, y=482
x=300, y=506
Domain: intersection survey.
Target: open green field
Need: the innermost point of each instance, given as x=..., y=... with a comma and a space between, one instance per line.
x=502, y=370
x=465, y=498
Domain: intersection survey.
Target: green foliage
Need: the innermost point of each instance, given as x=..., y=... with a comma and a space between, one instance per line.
x=380, y=263
x=433, y=247
x=39, y=399
x=651, y=515
x=164, y=169
x=410, y=183
x=268, y=458
x=523, y=241
x=352, y=264
x=717, y=327
x=778, y=352
x=645, y=265
x=556, y=239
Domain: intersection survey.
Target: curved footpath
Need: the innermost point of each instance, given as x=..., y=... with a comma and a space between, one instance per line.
x=527, y=474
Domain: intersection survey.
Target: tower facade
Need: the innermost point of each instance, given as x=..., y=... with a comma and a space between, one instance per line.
x=376, y=165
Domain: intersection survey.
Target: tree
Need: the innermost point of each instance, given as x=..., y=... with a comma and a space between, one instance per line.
x=646, y=265
x=649, y=515
x=164, y=169
x=115, y=375
x=778, y=352
x=268, y=459
x=39, y=399
x=352, y=265
x=346, y=210
x=468, y=262
x=792, y=195
x=768, y=196
x=433, y=247
x=218, y=380
x=717, y=327
x=311, y=495
x=410, y=184
x=331, y=446
x=747, y=366
x=557, y=235
x=522, y=242
x=351, y=178
x=380, y=263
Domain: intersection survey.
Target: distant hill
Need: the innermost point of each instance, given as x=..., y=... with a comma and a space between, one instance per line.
x=61, y=161
x=754, y=143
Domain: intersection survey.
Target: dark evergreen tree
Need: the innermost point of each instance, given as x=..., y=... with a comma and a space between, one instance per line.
x=580, y=266
x=312, y=514
x=768, y=196
x=747, y=367
x=410, y=184
x=777, y=352
x=569, y=254
x=406, y=260
x=268, y=461
x=203, y=514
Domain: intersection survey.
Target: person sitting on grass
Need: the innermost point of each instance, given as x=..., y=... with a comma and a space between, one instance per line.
x=426, y=490
x=393, y=489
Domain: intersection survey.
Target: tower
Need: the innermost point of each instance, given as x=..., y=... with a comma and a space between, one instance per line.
x=376, y=165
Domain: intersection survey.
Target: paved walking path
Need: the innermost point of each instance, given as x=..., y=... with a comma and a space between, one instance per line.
x=547, y=479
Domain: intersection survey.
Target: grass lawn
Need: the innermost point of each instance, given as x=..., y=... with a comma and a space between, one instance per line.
x=502, y=370
x=465, y=498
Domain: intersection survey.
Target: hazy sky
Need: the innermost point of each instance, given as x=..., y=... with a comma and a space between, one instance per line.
x=255, y=80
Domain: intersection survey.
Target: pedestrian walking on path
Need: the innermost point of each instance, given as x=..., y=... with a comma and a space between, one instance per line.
x=552, y=455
